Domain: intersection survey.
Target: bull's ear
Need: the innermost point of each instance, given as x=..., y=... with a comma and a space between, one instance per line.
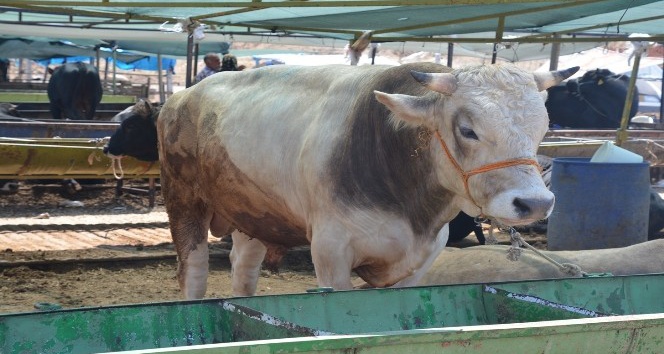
x=412, y=110
x=444, y=83
x=553, y=78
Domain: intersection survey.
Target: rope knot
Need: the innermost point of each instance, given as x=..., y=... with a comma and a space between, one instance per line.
x=572, y=270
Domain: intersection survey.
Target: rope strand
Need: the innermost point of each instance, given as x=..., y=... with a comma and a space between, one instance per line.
x=515, y=251
x=119, y=161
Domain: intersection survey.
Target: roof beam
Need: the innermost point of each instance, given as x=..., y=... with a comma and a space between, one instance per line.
x=549, y=39
x=264, y=5
x=602, y=25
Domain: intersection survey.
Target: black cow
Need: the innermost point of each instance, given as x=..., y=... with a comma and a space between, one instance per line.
x=74, y=91
x=137, y=134
x=594, y=101
x=4, y=70
x=655, y=215
x=462, y=225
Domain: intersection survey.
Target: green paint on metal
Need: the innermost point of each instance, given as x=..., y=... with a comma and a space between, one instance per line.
x=616, y=299
x=456, y=318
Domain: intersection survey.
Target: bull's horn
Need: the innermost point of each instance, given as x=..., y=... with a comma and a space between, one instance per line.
x=444, y=83
x=553, y=78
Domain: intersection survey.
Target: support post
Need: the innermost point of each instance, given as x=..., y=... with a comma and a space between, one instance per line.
x=621, y=136
x=162, y=96
x=190, y=47
x=555, y=54
x=450, y=54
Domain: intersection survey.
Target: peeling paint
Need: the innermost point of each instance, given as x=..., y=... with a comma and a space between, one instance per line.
x=271, y=320
x=547, y=303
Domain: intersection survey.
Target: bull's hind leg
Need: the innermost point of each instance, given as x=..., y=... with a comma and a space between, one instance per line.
x=189, y=234
x=190, y=239
x=189, y=221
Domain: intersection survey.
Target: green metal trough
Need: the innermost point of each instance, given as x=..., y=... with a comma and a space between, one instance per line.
x=581, y=315
x=36, y=158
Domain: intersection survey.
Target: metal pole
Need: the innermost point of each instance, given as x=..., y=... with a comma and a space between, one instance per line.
x=194, y=71
x=494, y=55
x=190, y=46
x=162, y=96
x=169, y=82
x=661, y=94
x=555, y=54
x=621, y=136
x=450, y=54
x=115, y=67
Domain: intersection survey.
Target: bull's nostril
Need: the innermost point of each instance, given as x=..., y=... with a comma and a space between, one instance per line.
x=526, y=207
x=521, y=207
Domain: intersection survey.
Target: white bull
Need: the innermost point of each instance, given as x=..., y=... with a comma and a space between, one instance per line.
x=367, y=164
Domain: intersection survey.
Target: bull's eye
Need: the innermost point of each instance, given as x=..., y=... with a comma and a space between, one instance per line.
x=468, y=133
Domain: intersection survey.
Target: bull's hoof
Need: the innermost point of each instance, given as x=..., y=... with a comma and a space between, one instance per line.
x=9, y=188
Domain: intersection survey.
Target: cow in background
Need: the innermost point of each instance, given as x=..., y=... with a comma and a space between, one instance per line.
x=74, y=91
x=593, y=101
x=4, y=69
x=462, y=225
x=137, y=134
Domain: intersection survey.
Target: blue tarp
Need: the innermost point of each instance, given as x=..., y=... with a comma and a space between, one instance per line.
x=147, y=63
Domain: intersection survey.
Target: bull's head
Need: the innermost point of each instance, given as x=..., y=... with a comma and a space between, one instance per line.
x=137, y=134
x=487, y=123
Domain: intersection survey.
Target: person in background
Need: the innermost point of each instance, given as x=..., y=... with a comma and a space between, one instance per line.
x=4, y=70
x=212, y=66
x=229, y=63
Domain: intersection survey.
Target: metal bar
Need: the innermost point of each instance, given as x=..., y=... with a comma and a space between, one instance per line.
x=190, y=45
x=483, y=17
x=621, y=136
x=151, y=192
x=260, y=4
x=448, y=39
x=555, y=53
x=450, y=54
x=602, y=25
x=499, y=37
x=661, y=102
x=160, y=80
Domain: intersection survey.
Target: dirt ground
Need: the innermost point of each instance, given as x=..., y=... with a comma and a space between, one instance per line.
x=120, y=273
x=98, y=276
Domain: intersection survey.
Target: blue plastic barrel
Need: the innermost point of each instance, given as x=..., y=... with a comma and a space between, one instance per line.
x=598, y=205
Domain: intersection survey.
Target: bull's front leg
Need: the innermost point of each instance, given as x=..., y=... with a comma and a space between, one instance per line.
x=432, y=253
x=246, y=258
x=332, y=256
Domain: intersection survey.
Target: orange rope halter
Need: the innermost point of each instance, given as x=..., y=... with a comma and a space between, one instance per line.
x=492, y=166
